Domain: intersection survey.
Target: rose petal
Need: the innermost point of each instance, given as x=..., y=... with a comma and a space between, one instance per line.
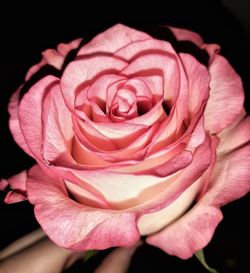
x=182, y=34
x=190, y=233
x=113, y=39
x=57, y=126
x=76, y=226
x=14, y=122
x=226, y=96
x=30, y=120
x=18, y=185
x=53, y=57
x=153, y=222
x=195, y=229
x=235, y=136
x=83, y=71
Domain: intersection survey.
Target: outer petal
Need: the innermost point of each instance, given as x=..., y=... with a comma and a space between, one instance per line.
x=226, y=96
x=53, y=57
x=14, y=122
x=76, y=226
x=195, y=229
x=30, y=114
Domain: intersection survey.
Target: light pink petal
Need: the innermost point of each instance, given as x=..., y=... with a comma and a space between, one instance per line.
x=30, y=114
x=226, y=96
x=182, y=34
x=57, y=126
x=113, y=39
x=73, y=225
x=54, y=57
x=14, y=122
x=83, y=71
x=195, y=229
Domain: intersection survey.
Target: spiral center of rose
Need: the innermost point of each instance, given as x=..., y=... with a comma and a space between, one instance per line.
x=124, y=105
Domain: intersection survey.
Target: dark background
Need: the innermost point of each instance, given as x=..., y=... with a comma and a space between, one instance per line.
x=25, y=32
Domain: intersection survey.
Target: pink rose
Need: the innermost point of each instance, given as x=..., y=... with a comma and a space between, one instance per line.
x=128, y=138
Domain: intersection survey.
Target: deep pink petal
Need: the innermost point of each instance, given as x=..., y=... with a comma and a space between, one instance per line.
x=226, y=96
x=113, y=39
x=73, y=225
x=30, y=120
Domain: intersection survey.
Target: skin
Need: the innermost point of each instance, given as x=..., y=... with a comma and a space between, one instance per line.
x=36, y=253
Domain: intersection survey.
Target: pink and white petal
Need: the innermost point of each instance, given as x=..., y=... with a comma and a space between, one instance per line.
x=83, y=71
x=195, y=229
x=226, y=96
x=54, y=57
x=153, y=222
x=30, y=120
x=113, y=39
x=57, y=126
x=190, y=233
x=75, y=226
x=186, y=35
x=180, y=181
x=14, y=122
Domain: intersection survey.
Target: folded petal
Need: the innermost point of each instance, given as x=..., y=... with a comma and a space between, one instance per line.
x=73, y=225
x=226, y=96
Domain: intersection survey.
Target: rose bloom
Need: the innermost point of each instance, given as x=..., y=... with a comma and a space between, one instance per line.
x=135, y=138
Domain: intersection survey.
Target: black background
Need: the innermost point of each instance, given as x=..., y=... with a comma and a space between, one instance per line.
x=25, y=32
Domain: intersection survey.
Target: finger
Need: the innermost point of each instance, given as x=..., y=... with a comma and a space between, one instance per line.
x=41, y=257
x=118, y=261
x=22, y=243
